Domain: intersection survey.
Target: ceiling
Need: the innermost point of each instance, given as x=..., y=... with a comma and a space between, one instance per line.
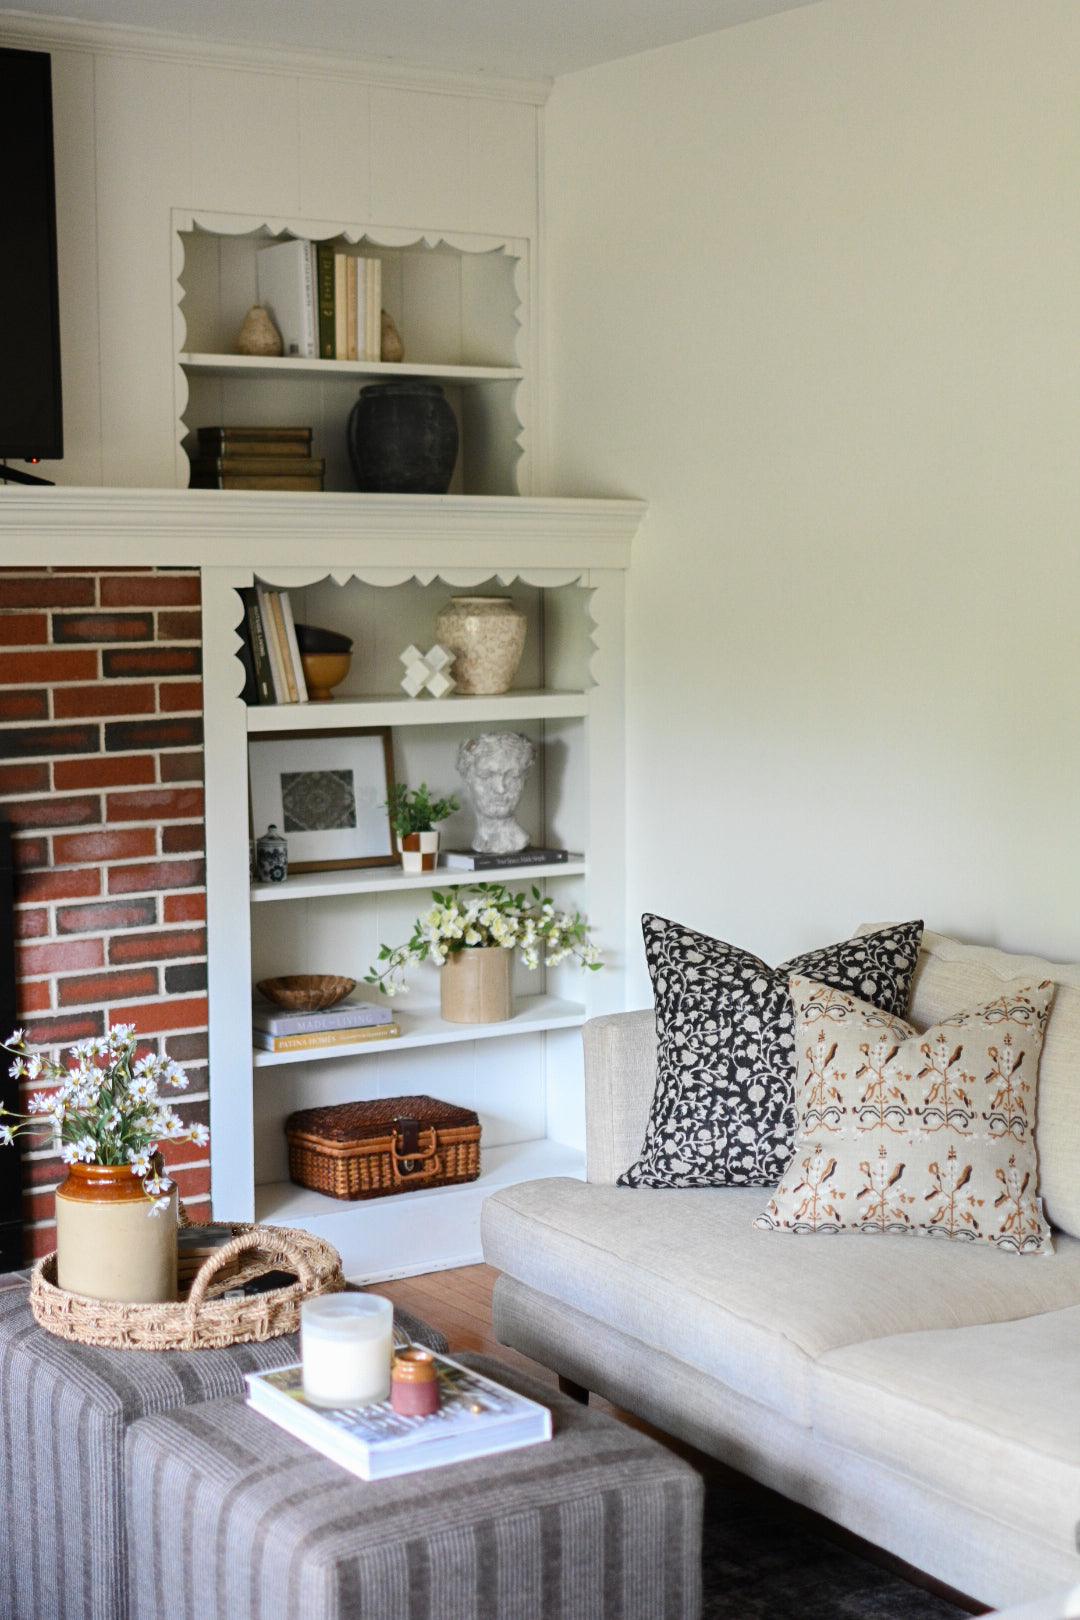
x=530, y=38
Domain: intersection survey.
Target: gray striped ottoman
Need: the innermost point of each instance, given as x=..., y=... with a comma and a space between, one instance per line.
x=230, y=1518
x=64, y=1409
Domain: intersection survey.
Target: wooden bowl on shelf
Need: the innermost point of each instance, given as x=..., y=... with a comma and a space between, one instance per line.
x=324, y=671
x=306, y=992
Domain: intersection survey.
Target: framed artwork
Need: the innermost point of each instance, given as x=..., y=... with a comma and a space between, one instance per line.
x=327, y=792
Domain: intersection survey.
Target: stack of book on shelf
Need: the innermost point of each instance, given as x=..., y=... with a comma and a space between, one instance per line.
x=269, y=650
x=470, y=860
x=347, y=1024
x=476, y=1418
x=256, y=458
x=325, y=302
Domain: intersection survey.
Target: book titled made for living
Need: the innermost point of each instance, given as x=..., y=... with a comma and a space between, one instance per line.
x=477, y=1418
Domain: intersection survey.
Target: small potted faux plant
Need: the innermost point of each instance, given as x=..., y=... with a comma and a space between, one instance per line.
x=105, y=1111
x=471, y=934
x=415, y=818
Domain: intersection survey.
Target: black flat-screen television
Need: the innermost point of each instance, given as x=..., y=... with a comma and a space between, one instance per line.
x=31, y=423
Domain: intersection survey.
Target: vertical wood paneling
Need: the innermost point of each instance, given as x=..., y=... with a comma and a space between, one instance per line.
x=76, y=229
x=418, y=141
x=502, y=167
x=142, y=174
x=244, y=140
x=335, y=149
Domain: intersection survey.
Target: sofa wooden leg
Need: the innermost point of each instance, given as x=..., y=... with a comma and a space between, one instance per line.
x=576, y=1392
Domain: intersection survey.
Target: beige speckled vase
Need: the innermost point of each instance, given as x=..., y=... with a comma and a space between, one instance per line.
x=108, y=1244
x=486, y=635
x=475, y=985
x=258, y=334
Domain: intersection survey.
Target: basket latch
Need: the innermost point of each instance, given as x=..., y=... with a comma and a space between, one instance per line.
x=413, y=1150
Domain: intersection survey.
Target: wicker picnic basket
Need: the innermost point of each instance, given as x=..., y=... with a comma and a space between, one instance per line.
x=202, y=1321
x=391, y=1145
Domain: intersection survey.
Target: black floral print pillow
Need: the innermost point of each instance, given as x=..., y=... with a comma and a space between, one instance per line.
x=723, y=1114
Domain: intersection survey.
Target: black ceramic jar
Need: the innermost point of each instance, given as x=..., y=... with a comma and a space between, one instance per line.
x=403, y=438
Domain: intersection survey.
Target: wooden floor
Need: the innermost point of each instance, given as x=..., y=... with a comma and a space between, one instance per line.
x=459, y=1304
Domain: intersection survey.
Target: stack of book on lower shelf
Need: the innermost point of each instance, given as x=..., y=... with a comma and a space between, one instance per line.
x=269, y=651
x=276, y=458
x=349, y=1023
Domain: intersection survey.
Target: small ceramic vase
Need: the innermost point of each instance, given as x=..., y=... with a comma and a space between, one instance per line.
x=258, y=334
x=475, y=985
x=272, y=857
x=419, y=851
x=414, y=1384
x=391, y=347
x=486, y=635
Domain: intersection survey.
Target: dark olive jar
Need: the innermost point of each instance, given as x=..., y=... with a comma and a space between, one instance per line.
x=403, y=439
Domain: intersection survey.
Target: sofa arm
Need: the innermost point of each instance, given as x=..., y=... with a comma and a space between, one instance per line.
x=620, y=1078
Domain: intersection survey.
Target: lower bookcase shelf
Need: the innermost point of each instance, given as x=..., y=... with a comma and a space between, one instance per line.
x=409, y=1233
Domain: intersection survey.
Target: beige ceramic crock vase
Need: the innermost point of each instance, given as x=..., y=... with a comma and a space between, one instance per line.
x=475, y=985
x=486, y=635
x=108, y=1244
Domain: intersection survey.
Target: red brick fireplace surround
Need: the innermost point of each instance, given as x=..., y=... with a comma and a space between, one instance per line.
x=101, y=778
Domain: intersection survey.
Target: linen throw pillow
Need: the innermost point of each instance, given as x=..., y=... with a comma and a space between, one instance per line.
x=723, y=1113
x=901, y=1132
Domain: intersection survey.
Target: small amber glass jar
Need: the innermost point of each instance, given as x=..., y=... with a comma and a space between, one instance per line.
x=414, y=1384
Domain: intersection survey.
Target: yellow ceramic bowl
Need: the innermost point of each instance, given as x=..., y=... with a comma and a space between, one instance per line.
x=324, y=671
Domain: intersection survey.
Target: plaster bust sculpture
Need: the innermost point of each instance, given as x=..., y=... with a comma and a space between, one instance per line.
x=493, y=768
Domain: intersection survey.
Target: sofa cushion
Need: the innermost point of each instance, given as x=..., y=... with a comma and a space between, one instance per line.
x=951, y=975
x=723, y=1114
x=987, y=1415
x=685, y=1272
x=929, y=1133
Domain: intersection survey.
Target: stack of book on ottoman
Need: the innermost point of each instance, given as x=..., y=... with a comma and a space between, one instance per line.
x=347, y=1023
x=256, y=458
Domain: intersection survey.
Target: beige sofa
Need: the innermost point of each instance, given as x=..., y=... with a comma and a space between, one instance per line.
x=925, y=1394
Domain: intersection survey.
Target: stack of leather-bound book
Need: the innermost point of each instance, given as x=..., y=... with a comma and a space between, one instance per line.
x=255, y=458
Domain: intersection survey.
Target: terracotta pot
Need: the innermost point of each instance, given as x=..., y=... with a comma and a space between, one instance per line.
x=419, y=851
x=108, y=1244
x=486, y=635
x=475, y=985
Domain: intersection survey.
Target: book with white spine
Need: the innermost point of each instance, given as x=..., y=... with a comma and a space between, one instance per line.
x=286, y=288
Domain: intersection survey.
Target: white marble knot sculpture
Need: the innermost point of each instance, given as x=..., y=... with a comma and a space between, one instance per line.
x=427, y=671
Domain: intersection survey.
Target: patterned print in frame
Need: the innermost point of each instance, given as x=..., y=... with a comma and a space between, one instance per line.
x=723, y=1113
x=931, y=1134
x=328, y=789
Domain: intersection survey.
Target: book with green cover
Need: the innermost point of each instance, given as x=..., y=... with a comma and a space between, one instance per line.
x=327, y=311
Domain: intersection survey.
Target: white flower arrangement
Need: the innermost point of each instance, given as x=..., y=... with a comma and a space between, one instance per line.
x=482, y=914
x=107, y=1107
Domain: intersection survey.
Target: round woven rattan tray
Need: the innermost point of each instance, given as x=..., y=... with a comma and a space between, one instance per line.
x=202, y=1321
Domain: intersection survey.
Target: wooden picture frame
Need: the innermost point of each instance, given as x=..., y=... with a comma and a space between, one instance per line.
x=318, y=795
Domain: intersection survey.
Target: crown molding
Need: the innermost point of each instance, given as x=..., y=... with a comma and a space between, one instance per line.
x=35, y=32
x=177, y=528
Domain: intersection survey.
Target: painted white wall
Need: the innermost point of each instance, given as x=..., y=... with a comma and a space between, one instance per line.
x=146, y=124
x=813, y=288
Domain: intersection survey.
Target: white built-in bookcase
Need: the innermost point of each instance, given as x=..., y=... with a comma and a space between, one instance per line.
x=460, y=301
x=563, y=563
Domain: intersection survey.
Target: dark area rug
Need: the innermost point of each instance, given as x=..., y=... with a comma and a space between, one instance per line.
x=765, y=1559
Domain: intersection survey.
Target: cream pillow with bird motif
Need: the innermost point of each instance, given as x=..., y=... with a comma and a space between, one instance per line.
x=932, y=1134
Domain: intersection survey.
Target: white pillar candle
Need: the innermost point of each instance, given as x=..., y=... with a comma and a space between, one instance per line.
x=346, y=1346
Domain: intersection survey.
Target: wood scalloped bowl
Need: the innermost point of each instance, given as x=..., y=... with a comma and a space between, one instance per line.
x=306, y=992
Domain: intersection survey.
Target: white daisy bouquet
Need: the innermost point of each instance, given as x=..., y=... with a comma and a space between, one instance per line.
x=105, y=1106
x=487, y=914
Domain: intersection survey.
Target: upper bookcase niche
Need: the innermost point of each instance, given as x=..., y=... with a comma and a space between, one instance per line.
x=460, y=303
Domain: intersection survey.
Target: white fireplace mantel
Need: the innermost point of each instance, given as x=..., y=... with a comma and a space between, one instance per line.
x=211, y=528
